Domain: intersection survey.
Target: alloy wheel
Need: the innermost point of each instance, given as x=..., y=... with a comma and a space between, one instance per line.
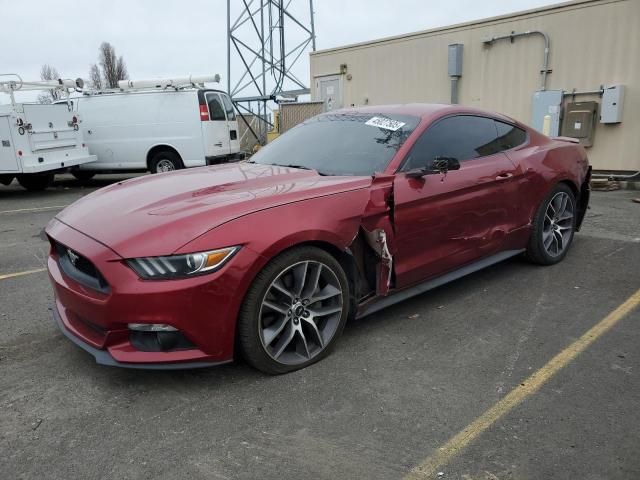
x=300, y=312
x=558, y=224
x=165, y=165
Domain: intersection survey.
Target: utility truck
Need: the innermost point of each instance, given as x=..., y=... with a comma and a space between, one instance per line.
x=157, y=126
x=39, y=140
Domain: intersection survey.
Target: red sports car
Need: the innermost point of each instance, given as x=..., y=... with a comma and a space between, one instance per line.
x=343, y=215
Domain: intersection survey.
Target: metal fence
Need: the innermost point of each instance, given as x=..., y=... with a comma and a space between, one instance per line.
x=291, y=114
x=247, y=138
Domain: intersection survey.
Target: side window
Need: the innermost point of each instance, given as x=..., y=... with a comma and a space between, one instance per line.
x=228, y=106
x=216, y=111
x=510, y=136
x=462, y=137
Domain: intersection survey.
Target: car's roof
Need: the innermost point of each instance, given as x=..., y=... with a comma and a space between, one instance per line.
x=424, y=110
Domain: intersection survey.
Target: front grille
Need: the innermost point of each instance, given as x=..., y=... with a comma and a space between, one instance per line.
x=80, y=268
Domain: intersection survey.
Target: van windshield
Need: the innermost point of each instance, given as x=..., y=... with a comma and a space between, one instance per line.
x=351, y=143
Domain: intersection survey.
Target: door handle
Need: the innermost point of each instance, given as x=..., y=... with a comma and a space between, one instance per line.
x=504, y=176
x=219, y=144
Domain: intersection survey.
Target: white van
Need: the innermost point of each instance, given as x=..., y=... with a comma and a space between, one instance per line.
x=157, y=130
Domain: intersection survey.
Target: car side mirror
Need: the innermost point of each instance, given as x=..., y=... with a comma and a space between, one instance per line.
x=416, y=173
x=438, y=165
x=444, y=164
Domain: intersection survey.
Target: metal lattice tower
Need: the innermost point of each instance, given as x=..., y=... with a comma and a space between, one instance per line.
x=265, y=41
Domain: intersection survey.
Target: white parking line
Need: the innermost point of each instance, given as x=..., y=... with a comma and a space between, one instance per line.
x=19, y=274
x=429, y=467
x=35, y=209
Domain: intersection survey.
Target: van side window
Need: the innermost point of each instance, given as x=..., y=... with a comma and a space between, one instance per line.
x=216, y=112
x=228, y=106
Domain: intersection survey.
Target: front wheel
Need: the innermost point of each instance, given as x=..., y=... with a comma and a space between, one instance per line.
x=553, y=227
x=294, y=311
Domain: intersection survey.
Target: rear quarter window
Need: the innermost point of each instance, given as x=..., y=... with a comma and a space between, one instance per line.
x=510, y=136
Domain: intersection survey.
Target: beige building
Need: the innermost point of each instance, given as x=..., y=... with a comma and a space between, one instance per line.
x=593, y=45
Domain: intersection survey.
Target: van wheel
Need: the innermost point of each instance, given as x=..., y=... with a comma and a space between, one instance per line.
x=83, y=176
x=6, y=179
x=35, y=183
x=165, y=161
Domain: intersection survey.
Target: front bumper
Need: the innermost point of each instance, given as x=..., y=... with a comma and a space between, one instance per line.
x=103, y=357
x=204, y=309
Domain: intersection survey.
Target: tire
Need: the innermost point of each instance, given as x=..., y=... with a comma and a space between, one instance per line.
x=311, y=327
x=552, y=234
x=165, y=161
x=6, y=179
x=35, y=183
x=83, y=176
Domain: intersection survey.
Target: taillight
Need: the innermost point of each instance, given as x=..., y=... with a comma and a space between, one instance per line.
x=204, y=113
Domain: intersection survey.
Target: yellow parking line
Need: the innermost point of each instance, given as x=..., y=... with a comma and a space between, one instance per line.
x=19, y=274
x=429, y=467
x=35, y=209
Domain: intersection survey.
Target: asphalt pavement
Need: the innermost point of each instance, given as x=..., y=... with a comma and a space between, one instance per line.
x=401, y=385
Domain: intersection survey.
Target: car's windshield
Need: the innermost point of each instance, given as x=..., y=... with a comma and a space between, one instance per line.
x=341, y=144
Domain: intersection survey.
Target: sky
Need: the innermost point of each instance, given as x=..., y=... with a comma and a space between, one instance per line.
x=165, y=38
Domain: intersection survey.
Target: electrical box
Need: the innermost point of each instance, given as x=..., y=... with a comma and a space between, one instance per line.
x=580, y=121
x=612, y=100
x=455, y=60
x=547, y=103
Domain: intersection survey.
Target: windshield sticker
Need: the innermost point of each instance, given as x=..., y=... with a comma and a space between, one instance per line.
x=385, y=123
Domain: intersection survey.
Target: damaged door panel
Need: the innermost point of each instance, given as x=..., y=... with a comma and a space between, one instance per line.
x=377, y=241
x=378, y=230
x=443, y=222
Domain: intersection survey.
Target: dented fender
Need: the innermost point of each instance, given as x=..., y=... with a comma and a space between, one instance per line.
x=364, y=214
x=378, y=229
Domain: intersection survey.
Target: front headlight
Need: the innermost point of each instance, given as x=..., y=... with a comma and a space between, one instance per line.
x=181, y=266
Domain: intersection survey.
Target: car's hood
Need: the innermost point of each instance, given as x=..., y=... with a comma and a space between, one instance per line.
x=157, y=214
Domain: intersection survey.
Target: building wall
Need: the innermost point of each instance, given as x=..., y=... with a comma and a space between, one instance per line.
x=593, y=43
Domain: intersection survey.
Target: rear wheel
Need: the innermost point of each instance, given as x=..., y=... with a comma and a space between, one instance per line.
x=294, y=311
x=83, y=176
x=6, y=179
x=35, y=182
x=553, y=227
x=165, y=161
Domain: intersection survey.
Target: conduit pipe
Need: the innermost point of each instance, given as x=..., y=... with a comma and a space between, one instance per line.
x=513, y=35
